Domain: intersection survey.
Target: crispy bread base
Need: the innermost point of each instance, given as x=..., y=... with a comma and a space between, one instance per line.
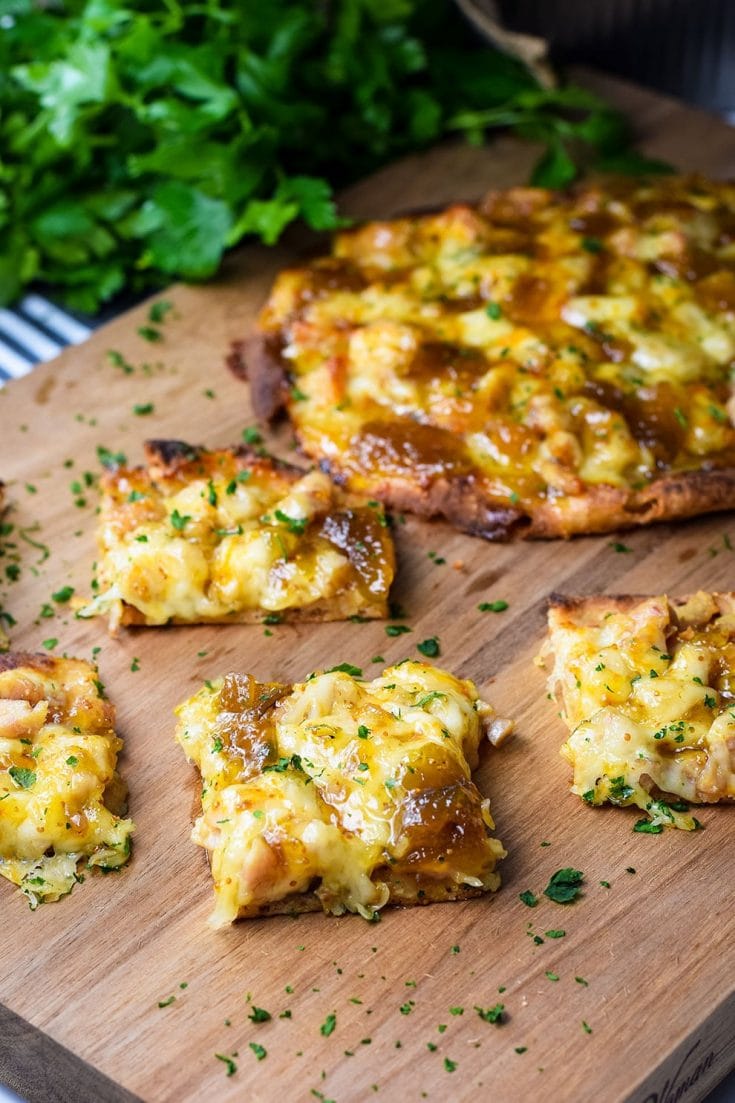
x=13, y=660
x=341, y=608
x=299, y=903
x=461, y=499
x=589, y=611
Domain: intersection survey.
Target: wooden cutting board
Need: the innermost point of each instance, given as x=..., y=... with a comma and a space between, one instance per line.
x=82, y=979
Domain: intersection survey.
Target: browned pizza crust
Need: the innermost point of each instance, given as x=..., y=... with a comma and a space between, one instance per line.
x=401, y=896
x=672, y=497
x=460, y=499
x=12, y=660
x=690, y=609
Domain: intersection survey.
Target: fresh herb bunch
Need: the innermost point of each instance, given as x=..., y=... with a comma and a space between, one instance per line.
x=140, y=140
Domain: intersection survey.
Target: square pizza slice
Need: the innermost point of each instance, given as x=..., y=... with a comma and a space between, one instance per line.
x=340, y=794
x=62, y=802
x=647, y=689
x=231, y=535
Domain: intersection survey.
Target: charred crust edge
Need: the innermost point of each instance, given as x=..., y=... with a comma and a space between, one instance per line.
x=258, y=359
x=171, y=455
x=15, y=660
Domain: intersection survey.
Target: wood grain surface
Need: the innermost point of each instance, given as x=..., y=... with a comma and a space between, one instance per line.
x=656, y=949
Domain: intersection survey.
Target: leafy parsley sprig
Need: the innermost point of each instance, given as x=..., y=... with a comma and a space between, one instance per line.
x=141, y=140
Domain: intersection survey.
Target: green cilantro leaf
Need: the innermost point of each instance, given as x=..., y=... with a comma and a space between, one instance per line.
x=564, y=886
x=23, y=777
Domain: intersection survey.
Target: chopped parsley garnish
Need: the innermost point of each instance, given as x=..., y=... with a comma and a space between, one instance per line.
x=592, y=245
x=491, y=1014
x=328, y=1025
x=429, y=647
x=554, y=933
x=564, y=886
x=345, y=668
x=396, y=629
x=363, y=732
x=231, y=1066
x=50, y=643
x=150, y=333
x=528, y=898
x=22, y=777
x=118, y=361
x=681, y=417
x=456, y=1011
x=283, y=764
x=141, y=409
x=241, y=477
x=217, y=744
x=582, y=981
x=493, y=606
x=450, y=1066
x=135, y=665
x=619, y=791
x=63, y=595
x=251, y=436
x=407, y=1008
x=428, y=698
x=211, y=494
x=158, y=311
x=494, y=311
x=180, y=520
x=618, y=547
x=72, y=760
x=110, y=459
x=586, y=1027
x=552, y=976
x=294, y=524
x=259, y=1015
x=167, y=1002
x=645, y=827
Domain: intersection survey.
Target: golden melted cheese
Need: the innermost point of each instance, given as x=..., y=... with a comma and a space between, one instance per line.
x=359, y=792
x=232, y=536
x=647, y=688
x=61, y=798
x=542, y=346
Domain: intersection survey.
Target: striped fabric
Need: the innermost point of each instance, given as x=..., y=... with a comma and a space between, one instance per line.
x=35, y=331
